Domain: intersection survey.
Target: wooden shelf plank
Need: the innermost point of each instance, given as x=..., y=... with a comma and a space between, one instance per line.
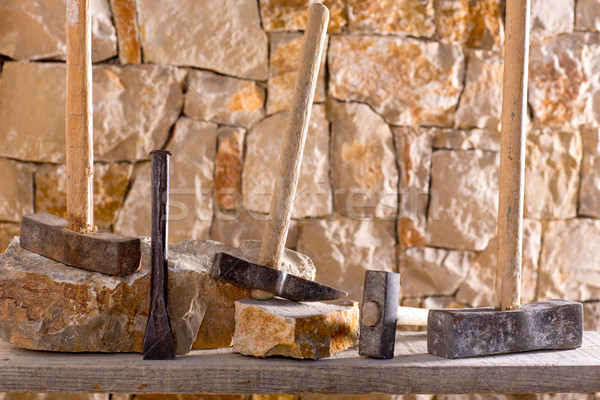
x=412, y=370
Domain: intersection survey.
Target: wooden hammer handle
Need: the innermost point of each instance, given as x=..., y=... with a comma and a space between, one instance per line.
x=79, y=139
x=512, y=155
x=274, y=237
x=412, y=316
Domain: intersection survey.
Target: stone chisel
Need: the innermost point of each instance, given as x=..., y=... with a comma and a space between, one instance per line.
x=290, y=161
x=509, y=328
x=75, y=241
x=159, y=343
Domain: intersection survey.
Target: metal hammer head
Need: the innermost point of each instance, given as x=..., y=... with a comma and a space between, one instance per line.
x=254, y=276
x=378, y=314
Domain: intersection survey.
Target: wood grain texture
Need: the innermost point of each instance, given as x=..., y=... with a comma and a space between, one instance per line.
x=412, y=370
x=512, y=155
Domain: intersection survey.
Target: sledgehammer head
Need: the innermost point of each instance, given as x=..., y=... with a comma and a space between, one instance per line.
x=544, y=325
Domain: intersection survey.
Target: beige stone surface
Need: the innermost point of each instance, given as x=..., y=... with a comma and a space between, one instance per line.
x=54, y=396
x=478, y=289
x=35, y=30
x=263, y=148
x=16, y=190
x=128, y=32
x=464, y=199
x=569, y=261
x=563, y=80
x=228, y=169
x=412, y=17
x=183, y=396
x=224, y=36
x=291, y=15
x=591, y=316
x=587, y=14
x=223, y=100
x=481, y=102
x=470, y=23
x=193, y=147
x=375, y=70
x=134, y=108
x=7, y=232
x=279, y=327
x=454, y=139
x=342, y=250
x=589, y=191
x=372, y=396
x=552, y=168
x=551, y=18
x=274, y=397
x=363, y=162
x=284, y=60
x=110, y=184
x=413, y=153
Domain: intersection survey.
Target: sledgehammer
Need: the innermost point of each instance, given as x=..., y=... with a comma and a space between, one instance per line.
x=510, y=328
x=76, y=242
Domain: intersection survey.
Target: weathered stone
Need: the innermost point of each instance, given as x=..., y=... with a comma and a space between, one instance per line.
x=589, y=192
x=551, y=18
x=182, y=396
x=464, y=199
x=478, y=289
x=263, y=148
x=193, y=147
x=134, y=108
x=110, y=184
x=16, y=190
x=175, y=32
x=563, y=80
x=7, y=232
x=274, y=397
x=413, y=152
x=55, y=396
x=290, y=15
x=372, y=396
x=224, y=100
x=363, y=163
x=228, y=169
x=428, y=271
x=587, y=14
x=470, y=23
x=284, y=60
x=412, y=17
x=552, y=167
x=569, y=261
x=344, y=248
x=441, y=302
x=481, y=102
x=453, y=139
x=414, y=83
x=35, y=29
x=591, y=316
x=286, y=328
x=128, y=32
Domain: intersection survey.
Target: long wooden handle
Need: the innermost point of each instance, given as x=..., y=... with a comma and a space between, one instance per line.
x=290, y=161
x=512, y=155
x=412, y=316
x=79, y=139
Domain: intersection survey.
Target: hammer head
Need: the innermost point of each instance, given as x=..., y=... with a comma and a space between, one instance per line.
x=544, y=325
x=379, y=312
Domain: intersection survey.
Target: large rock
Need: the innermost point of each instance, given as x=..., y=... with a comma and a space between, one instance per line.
x=35, y=29
x=291, y=15
x=363, y=162
x=228, y=169
x=110, y=184
x=134, y=108
x=7, y=232
x=16, y=190
x=463, y=205
x=453, y=139
x=563, y=79
x=193, y=146
x=224, y=100
x=589, y=192
x=570, y=262
x=481, y=102
x=551, y=18
x=413, y=152
x=587, y=14
x=412, y=17
x=263, y=149
x=407, y=81
x=224, y=36
x=552, y=168
x=284, y=61
x=128, y=32
x=343, y=249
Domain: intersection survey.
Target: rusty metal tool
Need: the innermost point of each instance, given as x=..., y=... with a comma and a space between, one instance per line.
x=290, y=161
x=159, y=343
x=75, y=241
x=509, y=328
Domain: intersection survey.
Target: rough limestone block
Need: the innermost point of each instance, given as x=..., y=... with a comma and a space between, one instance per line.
x=286, y=15
x=279, y=327
x=453, y=139
x=589, y=192
x=591, y=316
x=411, y=17
x=228, y=169
x=587, y=14
x=16, y=197
x=8, y=231
x=551, y=18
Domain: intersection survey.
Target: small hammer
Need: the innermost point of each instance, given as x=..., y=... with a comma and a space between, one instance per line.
x=75, y=242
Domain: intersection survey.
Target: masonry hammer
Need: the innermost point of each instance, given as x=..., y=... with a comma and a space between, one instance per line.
x=75, y=241
x=264, y=276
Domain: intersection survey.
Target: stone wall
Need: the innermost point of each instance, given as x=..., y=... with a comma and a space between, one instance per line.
x=401, y=166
